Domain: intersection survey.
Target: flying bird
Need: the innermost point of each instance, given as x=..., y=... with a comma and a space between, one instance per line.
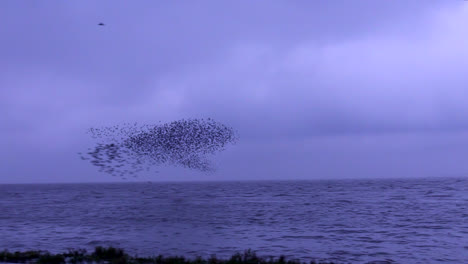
x=101, y=24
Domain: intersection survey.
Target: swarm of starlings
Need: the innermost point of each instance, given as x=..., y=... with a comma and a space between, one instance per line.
x=125, y=150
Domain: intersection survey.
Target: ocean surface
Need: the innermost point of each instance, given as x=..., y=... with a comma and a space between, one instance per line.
x=351, y=221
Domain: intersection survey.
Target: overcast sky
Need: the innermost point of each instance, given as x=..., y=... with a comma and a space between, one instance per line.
x=316, y=89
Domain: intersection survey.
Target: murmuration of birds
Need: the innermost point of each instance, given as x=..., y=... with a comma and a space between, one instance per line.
x=128, y=149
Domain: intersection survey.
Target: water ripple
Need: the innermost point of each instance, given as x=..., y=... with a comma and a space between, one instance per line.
x=373, y=221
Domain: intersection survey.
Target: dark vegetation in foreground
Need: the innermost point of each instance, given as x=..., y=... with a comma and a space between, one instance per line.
x=118, y=256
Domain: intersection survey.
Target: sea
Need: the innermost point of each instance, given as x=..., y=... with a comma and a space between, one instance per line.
x=347, y=221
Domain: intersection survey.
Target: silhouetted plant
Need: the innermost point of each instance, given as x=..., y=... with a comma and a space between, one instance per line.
x=51, y=259
x=118, y=256
x=18, y=257
x=110, y=253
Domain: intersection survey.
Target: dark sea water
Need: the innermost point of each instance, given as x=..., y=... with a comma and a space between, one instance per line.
x=356, y=221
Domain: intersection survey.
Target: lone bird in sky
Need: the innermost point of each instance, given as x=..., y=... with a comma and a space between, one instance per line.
x=101, y=24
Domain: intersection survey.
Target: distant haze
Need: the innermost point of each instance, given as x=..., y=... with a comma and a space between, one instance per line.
x=315, y=89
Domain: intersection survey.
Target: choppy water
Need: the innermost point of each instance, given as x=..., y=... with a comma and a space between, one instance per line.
x=406, y=221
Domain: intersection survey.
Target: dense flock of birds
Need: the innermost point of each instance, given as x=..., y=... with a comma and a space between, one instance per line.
x=125, y=150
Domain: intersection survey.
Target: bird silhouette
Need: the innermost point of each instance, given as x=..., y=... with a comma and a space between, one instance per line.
x=101, y=24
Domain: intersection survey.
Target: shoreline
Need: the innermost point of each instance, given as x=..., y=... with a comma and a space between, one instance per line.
x=118, y=256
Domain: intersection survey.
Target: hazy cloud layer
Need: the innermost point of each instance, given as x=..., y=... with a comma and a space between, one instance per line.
x=288, y=75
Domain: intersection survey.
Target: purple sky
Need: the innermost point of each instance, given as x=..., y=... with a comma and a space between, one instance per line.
x=316, y=89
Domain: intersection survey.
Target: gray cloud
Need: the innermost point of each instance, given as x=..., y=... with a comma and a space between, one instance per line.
x=376, y=83
x=281, y=72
